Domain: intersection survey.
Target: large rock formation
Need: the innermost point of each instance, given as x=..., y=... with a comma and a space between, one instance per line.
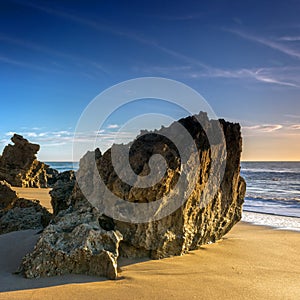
x=194, y=223
x=19, y=213
x=19, y=165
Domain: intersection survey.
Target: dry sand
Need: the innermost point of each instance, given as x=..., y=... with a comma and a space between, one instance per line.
x=35, y=194
x=251, y=262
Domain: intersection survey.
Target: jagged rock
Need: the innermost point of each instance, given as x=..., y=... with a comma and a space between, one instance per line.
x=62, y=190
x=22, y=214
x=189, y=226
x=19, y=166
x=52, y=175
x=74, y=243
x=19, y=213
x=7, y=195
x=186, y=228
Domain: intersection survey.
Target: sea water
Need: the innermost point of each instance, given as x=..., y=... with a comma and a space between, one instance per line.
x=272, y=196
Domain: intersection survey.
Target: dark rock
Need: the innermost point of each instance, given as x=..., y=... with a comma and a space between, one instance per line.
x=52, y=175
x=19, y=166
x=62, y=190
x=7, y=195
x=23, y=214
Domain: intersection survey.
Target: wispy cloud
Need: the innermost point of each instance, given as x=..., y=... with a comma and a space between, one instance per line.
x=292, y=116
x=279, y=76
x=42, y=49
x=183, y=17
x=266, y=42
x=62, y=137
x=289, y=38
x=18, y=63
x=116, y=31
x=195, y=68
x=113, y=126
x=264, y=127
x=295, y=127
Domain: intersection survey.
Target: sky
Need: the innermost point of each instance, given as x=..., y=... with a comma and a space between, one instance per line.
x=243, y=57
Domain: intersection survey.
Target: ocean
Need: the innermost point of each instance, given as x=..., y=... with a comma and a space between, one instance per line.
x=273, y=194
x=272, y=197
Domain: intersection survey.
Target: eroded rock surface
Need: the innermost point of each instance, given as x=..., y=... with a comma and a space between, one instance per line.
x=191, y=225
x=19, y=213
x=62, y=191
x=74, y=243
x=7, y=195
x=19, y=165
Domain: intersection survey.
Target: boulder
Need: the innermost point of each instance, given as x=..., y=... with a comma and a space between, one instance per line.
x=19, y=213
x=19, y=165
x=192, y=224
x=23, y=214
x=74, y=243
x=208, y=211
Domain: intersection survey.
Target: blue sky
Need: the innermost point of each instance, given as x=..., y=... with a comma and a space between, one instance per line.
x=243, y=57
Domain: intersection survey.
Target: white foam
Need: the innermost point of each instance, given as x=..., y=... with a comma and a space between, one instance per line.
x=278, y=222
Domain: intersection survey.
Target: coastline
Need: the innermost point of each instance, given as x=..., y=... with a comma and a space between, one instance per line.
x=250, y=260
x=277, y=222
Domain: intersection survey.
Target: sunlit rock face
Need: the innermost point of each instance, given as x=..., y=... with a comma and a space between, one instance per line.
x=194, y=223
x=19, y=165
x=208, y=208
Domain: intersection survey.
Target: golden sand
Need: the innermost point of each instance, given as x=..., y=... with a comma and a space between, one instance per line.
x=251, y=262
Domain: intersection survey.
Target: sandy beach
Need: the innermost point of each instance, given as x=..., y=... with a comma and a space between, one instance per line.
x=35, y=194
x=251, y=262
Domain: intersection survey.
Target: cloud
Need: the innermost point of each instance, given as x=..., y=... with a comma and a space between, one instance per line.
x=186, y=17
x=279, y=76
x=116, y=31
x=289, y=38
x=63, y=137
x=113, y=126
x=263, y=127
x=292, y=116
x=205, y=70
x=48, y=51
x=266, y=42
x=10, y=133
x=27, y=65
x=295, y=127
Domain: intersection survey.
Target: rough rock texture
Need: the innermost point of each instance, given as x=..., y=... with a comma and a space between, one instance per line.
x=188, y=227
x=19, y=166
x=62, y=190
x=7, y=195
x=74, y=243
x=52, y=175
x=22, y=214
x=19, y=213
x=191, y=225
